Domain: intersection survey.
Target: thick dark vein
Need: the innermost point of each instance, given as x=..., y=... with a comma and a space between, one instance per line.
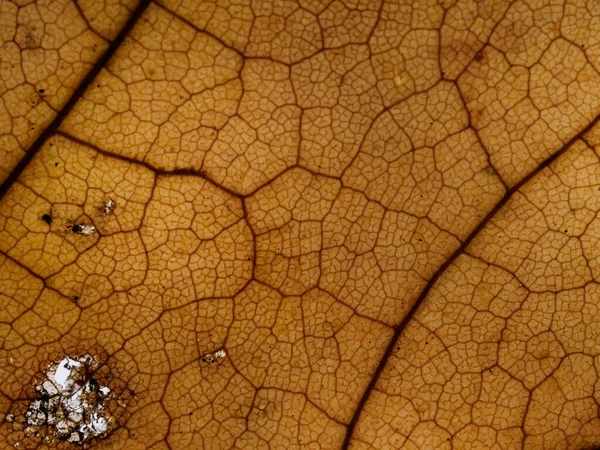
x=399, y=329
x=77, y=94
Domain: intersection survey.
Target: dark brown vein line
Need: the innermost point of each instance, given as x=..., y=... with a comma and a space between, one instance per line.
x=171, y=12
x=142, y=163
x=77, y=94
x=399, y=329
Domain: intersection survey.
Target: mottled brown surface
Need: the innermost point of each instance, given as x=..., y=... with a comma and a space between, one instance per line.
x=386, y=214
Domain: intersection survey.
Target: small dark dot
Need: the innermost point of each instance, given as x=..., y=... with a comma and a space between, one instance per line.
x=41, y=91
x=426, y=343
x=47, y=218
x=76, y=297
x=55, y=164
x=76, y=228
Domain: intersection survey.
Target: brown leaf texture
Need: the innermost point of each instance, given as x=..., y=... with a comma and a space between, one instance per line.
x=247, y=224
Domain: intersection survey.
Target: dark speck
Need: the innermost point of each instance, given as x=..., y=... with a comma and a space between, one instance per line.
x=41, y=91
x=47, y=218
x=76, y=228
x=76, y=297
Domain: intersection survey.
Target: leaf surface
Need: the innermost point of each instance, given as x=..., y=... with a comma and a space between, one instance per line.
x=357, y=224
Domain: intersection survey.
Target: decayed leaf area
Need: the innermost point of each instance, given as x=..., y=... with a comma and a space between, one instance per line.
x=304, y=224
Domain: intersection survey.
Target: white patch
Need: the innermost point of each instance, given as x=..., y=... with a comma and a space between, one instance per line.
x=61, y=376
x=72, y=404
x=85, y=230
x=109, y=206
x=214, y=357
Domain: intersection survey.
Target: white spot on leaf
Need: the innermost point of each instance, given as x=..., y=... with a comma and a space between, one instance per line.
x=109, y=206
x=214, y=357
x=85, y=230
x=72, y=404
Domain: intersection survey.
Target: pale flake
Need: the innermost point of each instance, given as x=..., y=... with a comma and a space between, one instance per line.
x=72, y=404
x=84, y=230
x=61, y=376
x=214, y=357
x=109, y=206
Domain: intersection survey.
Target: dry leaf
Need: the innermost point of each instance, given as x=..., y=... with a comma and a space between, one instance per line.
x=287, y=224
